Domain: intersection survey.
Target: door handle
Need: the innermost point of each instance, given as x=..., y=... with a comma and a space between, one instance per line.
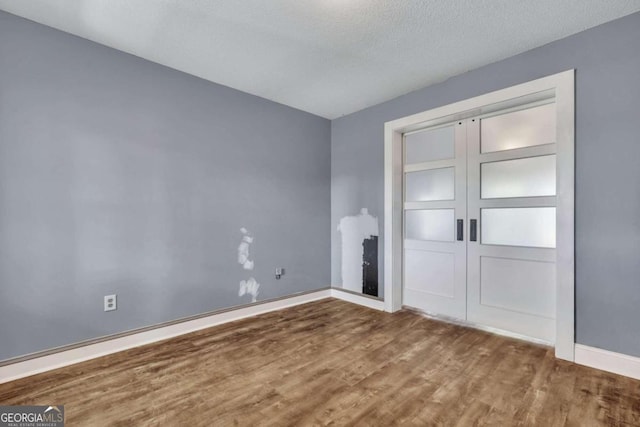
x=473, y=230
x=460, y=230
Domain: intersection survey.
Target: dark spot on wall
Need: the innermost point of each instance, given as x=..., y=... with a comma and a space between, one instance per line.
x=370, y=266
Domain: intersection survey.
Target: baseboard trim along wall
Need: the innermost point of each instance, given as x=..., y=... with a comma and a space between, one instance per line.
x=609, y=361
x=360, y=299
x=91, y=350
x=592, y=357
x=76, y=353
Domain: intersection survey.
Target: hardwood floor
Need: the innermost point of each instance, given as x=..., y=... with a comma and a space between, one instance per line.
x=331, y=362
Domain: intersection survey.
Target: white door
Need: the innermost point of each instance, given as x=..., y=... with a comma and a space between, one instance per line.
x=435, y=197
x=512, y=214
x=480, y=220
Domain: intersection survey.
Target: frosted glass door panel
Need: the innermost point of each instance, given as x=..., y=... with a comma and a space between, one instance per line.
x=429, y=145
x=530, y=177
x=430, y=185
x=533, y=227
x=430, y=224
x=524, y=128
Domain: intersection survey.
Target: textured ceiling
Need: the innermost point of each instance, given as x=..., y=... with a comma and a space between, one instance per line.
x=328, y=57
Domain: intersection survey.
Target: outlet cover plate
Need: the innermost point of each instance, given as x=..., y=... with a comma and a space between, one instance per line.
x=110, y=302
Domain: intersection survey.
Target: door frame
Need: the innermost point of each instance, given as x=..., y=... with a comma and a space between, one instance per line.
x=559, y=87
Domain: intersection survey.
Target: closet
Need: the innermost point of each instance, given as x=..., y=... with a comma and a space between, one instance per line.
x=479, y=220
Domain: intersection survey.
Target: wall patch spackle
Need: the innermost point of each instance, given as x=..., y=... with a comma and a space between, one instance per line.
x=243, y=250
x=251, y=285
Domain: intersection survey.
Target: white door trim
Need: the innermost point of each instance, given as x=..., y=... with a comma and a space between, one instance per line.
x=558, y=86
x=360, y=299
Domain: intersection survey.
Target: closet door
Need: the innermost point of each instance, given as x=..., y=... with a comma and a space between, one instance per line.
x=512, y=215
x=435, y=198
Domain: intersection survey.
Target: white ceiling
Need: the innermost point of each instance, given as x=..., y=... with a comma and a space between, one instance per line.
x=328, y=57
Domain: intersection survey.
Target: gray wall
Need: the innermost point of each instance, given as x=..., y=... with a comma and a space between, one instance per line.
x=121, y=176
x=607, y=63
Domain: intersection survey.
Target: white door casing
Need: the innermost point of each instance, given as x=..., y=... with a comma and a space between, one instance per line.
x=558, y=88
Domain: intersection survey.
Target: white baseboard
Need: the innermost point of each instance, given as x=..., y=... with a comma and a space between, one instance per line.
x=370, y=302
x=91, y=351
x=584, y=355
x=609, y=361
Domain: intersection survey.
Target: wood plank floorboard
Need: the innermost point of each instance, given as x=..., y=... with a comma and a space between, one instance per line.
x=330, y=362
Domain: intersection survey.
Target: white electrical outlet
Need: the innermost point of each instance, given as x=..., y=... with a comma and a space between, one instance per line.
x=110, y=302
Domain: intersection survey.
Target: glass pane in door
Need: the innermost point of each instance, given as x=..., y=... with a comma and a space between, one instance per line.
x=533, y=227
x=430, y=185
x=524, y=128
x=528, y=177
x=430, y=224
x=429, y=145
